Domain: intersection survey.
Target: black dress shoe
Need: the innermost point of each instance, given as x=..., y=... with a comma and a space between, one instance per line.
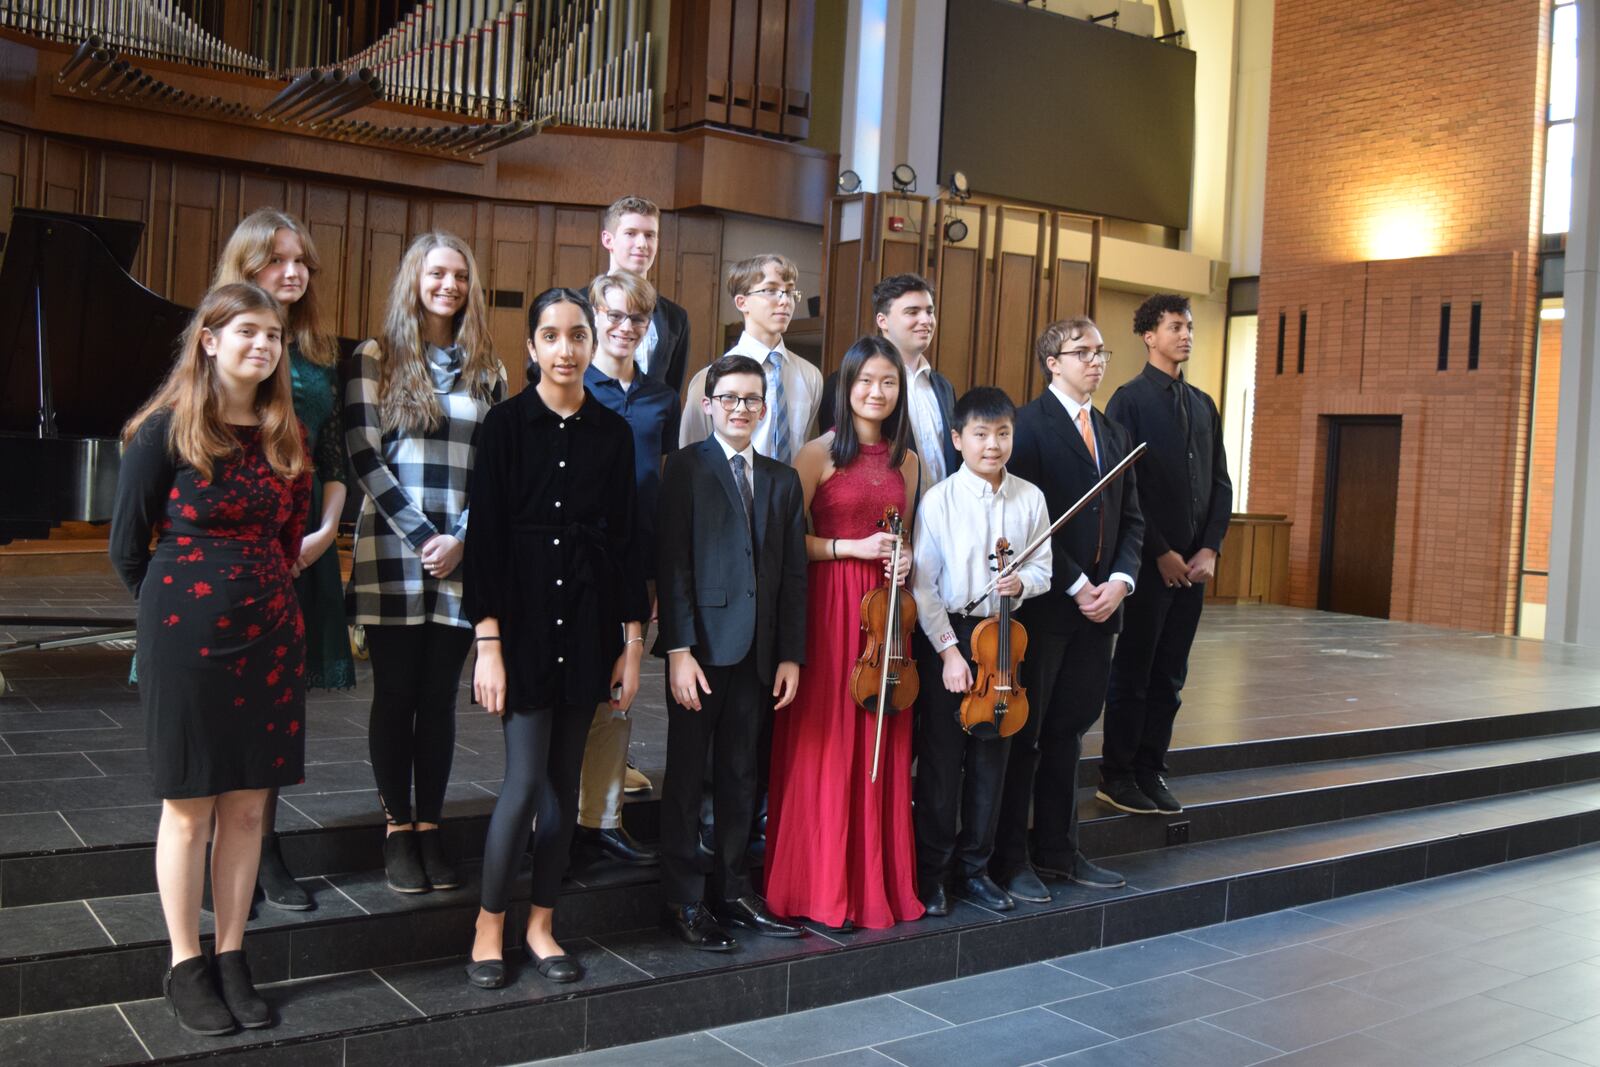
x=486, y=974
x=192, y=995
x=239, y=992
x=402, y=863
x=981, y=890
x=562, y=968
x=1024, y=884
x=1080, y=870
x=693, y=925
x=1154, y=786
x=1124, y=794
x=622, y=847
x=751, y=913
x=277, y=885
x=935, y=902
x=441, y=874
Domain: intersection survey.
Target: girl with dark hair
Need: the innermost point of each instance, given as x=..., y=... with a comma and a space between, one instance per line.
x=214, y=467
x=555, y=587
x=840, y=848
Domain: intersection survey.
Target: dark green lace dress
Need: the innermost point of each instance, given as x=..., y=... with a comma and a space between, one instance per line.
x=316, y=403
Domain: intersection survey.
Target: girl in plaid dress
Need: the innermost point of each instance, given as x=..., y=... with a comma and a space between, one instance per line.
x=413, y=405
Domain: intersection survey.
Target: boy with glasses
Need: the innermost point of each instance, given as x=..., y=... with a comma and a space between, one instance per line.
x=766, y=292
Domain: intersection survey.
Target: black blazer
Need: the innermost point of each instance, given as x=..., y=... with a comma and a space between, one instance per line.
x=1049, y=452
x=718, y=594
x=670, y=358
x=947, y=407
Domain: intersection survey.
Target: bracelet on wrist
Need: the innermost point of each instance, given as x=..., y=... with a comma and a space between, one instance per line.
x=475, y=640
x=633, y=640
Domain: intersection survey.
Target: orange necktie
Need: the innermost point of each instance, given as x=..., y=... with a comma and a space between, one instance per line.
x=1088, y=442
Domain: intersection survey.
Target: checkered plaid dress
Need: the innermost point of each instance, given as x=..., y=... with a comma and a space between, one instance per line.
x=415, y=486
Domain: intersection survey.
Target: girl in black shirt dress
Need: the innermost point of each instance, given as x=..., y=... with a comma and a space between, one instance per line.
x=555, y=586
x=214, y=467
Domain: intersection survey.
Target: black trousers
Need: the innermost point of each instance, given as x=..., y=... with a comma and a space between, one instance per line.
x=726, y=732
x=411, y=731
x=1147, y=676
x=544, y=762
x=956, y=795
x=1065, y=675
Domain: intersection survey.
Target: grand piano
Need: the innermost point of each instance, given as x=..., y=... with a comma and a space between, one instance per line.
x=82, y=344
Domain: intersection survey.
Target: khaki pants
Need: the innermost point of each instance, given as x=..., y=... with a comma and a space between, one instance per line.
x=605, y=762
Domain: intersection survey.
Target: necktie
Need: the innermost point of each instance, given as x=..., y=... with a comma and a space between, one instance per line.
x=746, y=494
x=780, y=410
x=1088, y=442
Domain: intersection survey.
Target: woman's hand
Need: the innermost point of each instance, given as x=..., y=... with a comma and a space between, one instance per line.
x=489, y=678
x=878, y=546
x=904, y=570
x=312, y=546
x=441, y=555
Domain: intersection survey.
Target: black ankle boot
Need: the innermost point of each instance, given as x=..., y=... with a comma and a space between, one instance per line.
x=402, y=863
x=194, y=1001
x=440, y=874
x=277, y=884
x=239, y=992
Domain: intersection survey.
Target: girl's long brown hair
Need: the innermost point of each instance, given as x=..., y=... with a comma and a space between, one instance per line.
x=407, y=399
x=248, y=252
x=197, y=434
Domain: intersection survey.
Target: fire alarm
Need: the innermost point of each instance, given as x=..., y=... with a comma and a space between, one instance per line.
x=897, y=223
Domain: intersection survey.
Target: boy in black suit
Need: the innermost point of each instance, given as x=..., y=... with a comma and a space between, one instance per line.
x=630, y=231
x=732, y=615
x=1064, y=446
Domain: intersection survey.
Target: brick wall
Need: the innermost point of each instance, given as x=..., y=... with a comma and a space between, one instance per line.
x=1403, y=172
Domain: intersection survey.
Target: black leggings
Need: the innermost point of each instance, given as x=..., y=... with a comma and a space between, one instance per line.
x=544, y=759
x=411, y=733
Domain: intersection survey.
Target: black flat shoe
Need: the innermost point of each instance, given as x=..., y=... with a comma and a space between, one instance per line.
x=402, y=863
x=1125, y=795
x=981, y=890
x=239, y=991
x=622, y=847
x=1024, y=884
x=1154, y=786
x=562, y=968
x=486, y=974
x=194, y=1000
x=277, y=885
x=751, y=913
x=935, y=903
x=1093, y=875
x=435, y=868
x=693, y=925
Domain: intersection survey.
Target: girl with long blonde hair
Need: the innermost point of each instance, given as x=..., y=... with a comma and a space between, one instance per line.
x=214, y=468
x=413, y=405
x=274, y=250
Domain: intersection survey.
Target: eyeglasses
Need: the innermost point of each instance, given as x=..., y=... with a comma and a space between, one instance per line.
x=794, y=296
x=1088, y=355
x=733, y=402
x=617, y=318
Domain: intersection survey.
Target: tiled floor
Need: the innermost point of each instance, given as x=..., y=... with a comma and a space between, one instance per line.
x=1499, y=967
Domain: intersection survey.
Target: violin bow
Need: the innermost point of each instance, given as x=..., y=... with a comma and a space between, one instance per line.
x=1021, y=557
x=890, y=637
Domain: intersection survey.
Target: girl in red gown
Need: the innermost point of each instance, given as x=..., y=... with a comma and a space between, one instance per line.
x=840, y=849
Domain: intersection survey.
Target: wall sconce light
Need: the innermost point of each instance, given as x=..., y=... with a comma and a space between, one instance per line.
x=904, y=178
x=849, y=182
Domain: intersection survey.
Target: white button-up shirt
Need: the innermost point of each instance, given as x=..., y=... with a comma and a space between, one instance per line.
x=802, y=396
x=1073, y=407
x=927, y=421
x=958, y=522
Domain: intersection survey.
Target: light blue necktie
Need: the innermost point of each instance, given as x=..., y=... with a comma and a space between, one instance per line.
x=780, y=410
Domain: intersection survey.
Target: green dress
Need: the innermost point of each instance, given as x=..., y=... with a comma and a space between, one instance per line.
x=316, y=403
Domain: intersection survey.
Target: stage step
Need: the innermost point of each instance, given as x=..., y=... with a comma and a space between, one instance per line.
x=642, y=985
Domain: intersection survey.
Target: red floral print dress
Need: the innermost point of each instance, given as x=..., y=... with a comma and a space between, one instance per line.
x=221, y=639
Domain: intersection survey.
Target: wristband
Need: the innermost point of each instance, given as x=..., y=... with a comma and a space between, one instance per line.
x=475, y=640
x=833, y=548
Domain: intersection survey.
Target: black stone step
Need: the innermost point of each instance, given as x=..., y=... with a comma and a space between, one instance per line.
x=643, y=985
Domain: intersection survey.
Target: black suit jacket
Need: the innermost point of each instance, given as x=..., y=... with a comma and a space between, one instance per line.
x=718, y=593
x=670, y=358
x=947, y=407
x=1049, y=451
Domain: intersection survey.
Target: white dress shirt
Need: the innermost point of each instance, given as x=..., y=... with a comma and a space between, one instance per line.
x=927, y=421
x=1073, y=407
x=647, y=347
x=802, y=396
x=958, y=522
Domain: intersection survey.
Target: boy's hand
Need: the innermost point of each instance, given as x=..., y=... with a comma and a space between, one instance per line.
x=685, y=679
x=786, y=685
x=957, y=672
x=1010, y=585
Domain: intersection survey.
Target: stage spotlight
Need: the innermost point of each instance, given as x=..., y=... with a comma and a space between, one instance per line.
x=955, y=231
x=849, y=182
x=959, y=189
x=905, y=179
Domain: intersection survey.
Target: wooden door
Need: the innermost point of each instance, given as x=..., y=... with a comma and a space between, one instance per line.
x=1362, y=489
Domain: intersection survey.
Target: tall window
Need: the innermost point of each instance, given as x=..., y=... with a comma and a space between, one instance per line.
x=1563, y=104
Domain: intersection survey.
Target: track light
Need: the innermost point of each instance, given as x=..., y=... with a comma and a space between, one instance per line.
x=904, y=178
x=958, y=187
x=849, y=182
x=955, y=231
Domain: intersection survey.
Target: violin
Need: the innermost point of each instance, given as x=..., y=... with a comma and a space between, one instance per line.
x=997, y=705
x=884, y=678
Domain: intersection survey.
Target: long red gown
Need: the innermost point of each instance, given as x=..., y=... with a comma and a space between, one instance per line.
x=840, y=846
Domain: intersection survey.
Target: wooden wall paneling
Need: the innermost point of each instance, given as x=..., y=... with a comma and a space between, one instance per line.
x=63, y=176
x=198, y=230
x=1014, y=302
x=11, y=157
x=458, y=217
x=770, y=54
x=960, y=292
x=578, y=255
x=352, y=321
x=387, y=219
x=746, y=44
x=544, y=249
x=665, y=275
x=126, y=191
x=327, y=216
x=797, y=69
x=712, y=95
x=509, y=270
x=846, y=266
x=1069, y=297
x=419, y=217
x=696, y=268
x=261, y=190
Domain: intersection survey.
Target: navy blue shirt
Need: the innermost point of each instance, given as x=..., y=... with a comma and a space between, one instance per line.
x=651, y=408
